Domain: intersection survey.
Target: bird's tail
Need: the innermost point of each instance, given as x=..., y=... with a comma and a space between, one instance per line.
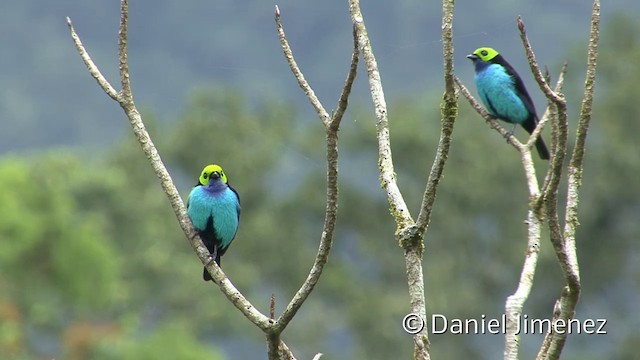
x=542, y=149
x=530, y=126
x=205, y=274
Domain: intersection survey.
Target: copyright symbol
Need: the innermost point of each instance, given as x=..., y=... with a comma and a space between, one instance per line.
x=413, y=323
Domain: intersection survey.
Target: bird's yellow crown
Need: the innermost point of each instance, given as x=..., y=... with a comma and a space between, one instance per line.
x=485, y=53
x=210, y=169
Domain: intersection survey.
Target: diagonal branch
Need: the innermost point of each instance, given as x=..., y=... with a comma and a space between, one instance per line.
x=533, y=64
x=491, y=121
x=125, y=99
x=91, y=66
x=397, y=205
x=302, y=82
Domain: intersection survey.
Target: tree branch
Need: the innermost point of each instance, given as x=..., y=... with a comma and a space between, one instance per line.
x=397, y=205
x=332, y=125
x=491, y=121
x=409, y=234
x=91, y=66
x=302, y=82
x=565, y=246
x=541, y=204
x=559, y=136
x=125, y=99
x=449, y=114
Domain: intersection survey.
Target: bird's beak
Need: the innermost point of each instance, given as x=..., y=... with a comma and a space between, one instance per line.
x=472, y=57
x=215, y=175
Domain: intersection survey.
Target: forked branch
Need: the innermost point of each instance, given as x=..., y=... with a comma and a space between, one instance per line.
x=272, y=328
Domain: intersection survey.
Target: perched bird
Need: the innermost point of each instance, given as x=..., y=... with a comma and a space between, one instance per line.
x=214, y=209
x=503, y=93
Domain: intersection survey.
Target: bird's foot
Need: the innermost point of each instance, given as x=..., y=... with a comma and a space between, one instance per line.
x=210, y=260
x=213, y=256
x=508, y=135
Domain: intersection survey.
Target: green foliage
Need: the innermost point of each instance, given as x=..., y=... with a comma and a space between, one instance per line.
x=46, y=225
x=168, y=341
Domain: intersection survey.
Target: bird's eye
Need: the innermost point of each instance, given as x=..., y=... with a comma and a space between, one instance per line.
x=484, y=53
x=205, y=175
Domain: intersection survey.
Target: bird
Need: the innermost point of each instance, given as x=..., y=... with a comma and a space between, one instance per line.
x=503, y=93
x=214, y=209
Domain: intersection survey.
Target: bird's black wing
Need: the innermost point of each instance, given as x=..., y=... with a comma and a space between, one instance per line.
x=522, y=91
x=531, y=123
x=238, y=196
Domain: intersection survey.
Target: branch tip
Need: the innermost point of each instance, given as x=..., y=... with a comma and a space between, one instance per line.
x=520, y=24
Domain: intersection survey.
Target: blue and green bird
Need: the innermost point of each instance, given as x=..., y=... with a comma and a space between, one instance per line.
x=503, y=93
x=214, y=208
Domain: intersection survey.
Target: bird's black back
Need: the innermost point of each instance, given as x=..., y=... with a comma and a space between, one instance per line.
x=520, y=88
x=532, y=121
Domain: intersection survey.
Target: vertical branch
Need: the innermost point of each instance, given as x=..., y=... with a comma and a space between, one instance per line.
x=449, y=109
x=559, y=136
x=332, y=125
x=127, y=95
x=397, y=205
x=566, y=248
x=515, y=302
x=410, y=234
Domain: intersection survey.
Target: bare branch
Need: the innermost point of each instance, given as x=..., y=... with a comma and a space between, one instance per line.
x=346, y=90
x=397, y=205
x=449, y=115
x=122, y=52
x=559, y=135
x=332, y=125
x=566, y=249
x=91, y=66
x=577, y=158
x=125, y=99
x=554, y=97
x=515, y=302
x=409, y=234
x=302, y=82
x=535, y=69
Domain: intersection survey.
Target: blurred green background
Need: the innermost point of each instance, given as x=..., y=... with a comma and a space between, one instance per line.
x=94, y=266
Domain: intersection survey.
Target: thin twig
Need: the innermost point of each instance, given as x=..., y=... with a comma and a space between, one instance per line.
x=123, y=54
x=409, y=235
x=533, y=64
x=336, y=118
x=91, y=66
x=559, y=135
x=302, y=82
